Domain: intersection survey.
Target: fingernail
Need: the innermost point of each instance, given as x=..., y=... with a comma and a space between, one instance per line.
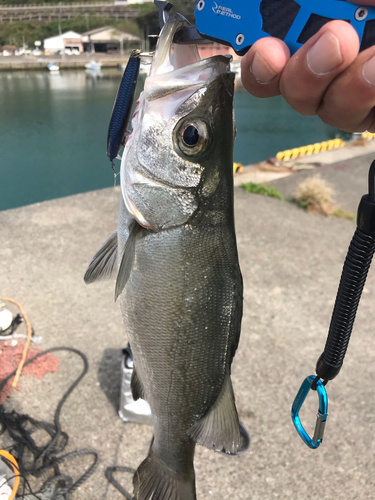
x=325, y=55
x=261, y=70
x=368, y=71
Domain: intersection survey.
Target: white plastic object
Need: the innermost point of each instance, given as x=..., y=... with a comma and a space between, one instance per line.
x=6, y=318
x=130, y=410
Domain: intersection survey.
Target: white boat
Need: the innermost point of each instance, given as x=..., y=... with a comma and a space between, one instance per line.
x=53, y=67
x=95, y=65
x=236, y=68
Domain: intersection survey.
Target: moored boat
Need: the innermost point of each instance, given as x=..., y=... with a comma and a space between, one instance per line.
x=94, y=65
x=53, y=67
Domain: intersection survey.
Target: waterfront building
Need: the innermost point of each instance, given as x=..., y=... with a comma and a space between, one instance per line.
x=108, y=39
x=8, y=50
x=69, y=42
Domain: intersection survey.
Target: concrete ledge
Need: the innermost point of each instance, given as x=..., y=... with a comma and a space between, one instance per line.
x=72, y=63
x=291, y=263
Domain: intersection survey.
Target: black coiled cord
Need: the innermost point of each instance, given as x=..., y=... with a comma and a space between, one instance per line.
x=353, y=279
x=109, y=475
x=45, y=458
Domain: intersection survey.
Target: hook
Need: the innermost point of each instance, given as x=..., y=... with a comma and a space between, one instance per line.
x=164, y=8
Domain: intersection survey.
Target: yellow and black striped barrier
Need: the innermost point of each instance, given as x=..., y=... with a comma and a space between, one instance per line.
x=237, y=168
x=291, y=154
x=368, y=136
x=318, y=147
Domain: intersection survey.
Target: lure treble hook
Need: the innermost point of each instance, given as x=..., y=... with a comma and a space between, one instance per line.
x=164, y=8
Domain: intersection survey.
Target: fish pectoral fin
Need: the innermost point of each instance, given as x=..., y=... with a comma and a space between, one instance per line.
x=127, y=260
x=220, y=429
x=103, y=265
x=136, y=386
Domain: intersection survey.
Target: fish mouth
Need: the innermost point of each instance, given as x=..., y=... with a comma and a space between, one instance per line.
x=178, y=66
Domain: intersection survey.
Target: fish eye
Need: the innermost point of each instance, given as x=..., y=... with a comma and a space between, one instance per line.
x=192, y=137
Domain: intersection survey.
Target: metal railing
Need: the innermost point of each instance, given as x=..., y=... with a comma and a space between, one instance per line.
x=58, y=4
x=62, y=6
x=66, y=10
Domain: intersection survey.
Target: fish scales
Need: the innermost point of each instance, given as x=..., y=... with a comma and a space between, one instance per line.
x=182, y=358
x=182, y=306
x=175, y=261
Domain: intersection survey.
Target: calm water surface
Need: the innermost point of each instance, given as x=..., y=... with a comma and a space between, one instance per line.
x=53, y=131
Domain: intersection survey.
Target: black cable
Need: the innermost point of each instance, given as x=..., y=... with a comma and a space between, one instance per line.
x=117, y=468
x=371, y=182
x=109, y=475
x=90, y=470
x=353, y=279
x=45, y=457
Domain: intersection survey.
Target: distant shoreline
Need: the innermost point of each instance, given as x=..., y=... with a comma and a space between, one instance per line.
x=15, y=63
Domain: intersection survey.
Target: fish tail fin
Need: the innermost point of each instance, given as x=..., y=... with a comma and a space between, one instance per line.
x=154, y=480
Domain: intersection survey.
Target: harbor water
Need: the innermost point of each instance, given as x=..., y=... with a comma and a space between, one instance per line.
x=53, y=130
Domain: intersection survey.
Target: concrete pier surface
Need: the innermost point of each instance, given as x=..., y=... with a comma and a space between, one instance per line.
x=291, y=263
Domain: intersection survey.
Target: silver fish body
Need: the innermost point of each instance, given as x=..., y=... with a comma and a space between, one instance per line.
x=178, y=277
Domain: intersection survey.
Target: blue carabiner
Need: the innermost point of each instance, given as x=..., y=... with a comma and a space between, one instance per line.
x=321, y=416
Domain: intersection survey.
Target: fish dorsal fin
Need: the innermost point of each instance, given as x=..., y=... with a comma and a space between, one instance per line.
x=220, y=429
x=127, y=260
x=103, y=265
x=136, y=386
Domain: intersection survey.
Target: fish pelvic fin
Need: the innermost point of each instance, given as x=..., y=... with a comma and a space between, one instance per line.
x=127, y=260
x=220, y=429
x=136, y=386
x=154, y=480
x=103, y=266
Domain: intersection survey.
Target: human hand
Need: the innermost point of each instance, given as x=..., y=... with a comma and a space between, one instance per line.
x=326, y=77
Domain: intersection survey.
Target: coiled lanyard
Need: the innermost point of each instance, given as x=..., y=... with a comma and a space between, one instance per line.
x=353, y=279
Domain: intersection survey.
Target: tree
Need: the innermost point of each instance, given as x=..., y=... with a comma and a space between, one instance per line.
x=186, y=7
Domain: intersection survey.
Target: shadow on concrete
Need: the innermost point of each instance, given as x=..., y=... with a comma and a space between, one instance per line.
x=109, y=375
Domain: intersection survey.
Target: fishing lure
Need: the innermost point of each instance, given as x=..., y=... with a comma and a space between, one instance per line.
x=240, y=23
x=123, y=106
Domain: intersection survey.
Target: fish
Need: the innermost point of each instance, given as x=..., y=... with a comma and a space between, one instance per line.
x=175, y=261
